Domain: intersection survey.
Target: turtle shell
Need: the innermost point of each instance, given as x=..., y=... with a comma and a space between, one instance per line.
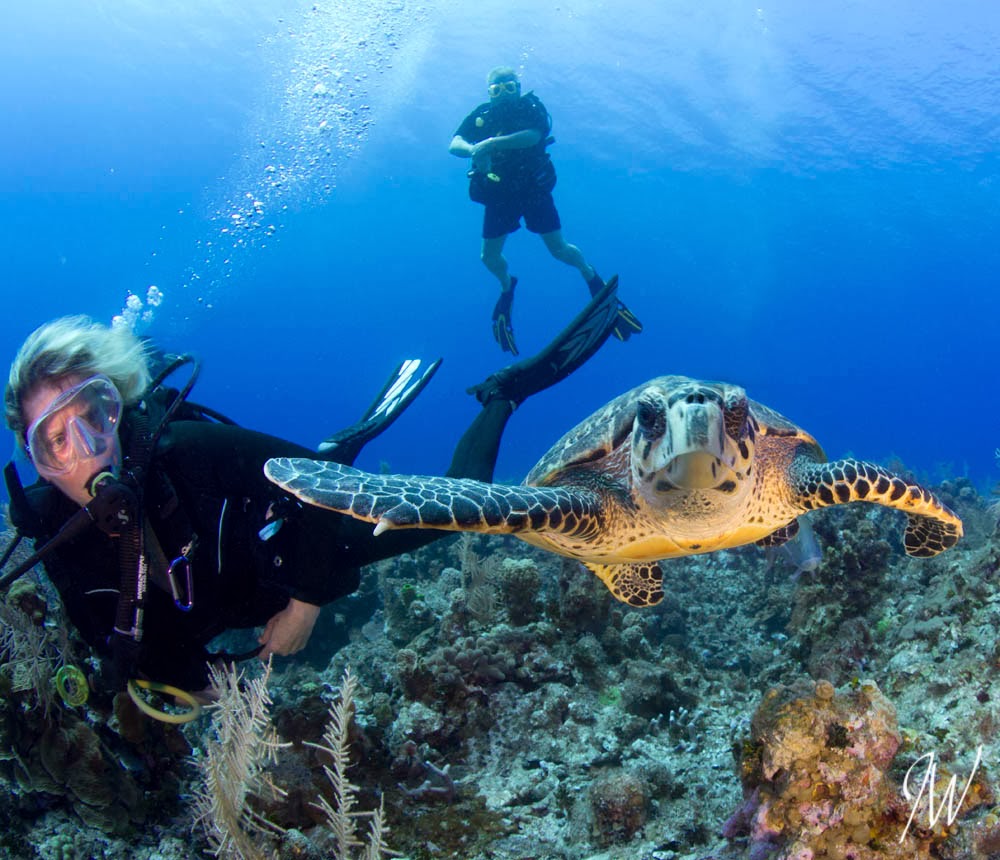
x=589, y=444
x=773, y=423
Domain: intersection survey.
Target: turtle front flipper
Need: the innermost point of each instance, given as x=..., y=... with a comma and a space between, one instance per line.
x=931, y=526
x=450, y=504
x=635, y=583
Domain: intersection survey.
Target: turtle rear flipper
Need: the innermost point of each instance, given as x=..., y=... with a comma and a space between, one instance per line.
x=781, y=536
x=927, y=536
x=635, y=583
x=931, y=526
x=450, y=504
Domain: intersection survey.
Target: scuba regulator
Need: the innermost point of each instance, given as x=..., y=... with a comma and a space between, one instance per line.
x=116, y=509
x=113, y=509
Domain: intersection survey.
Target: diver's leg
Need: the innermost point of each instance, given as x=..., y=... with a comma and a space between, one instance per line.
x=567, y=253
x=476, y=452
x=494, y=260
x=542, y=217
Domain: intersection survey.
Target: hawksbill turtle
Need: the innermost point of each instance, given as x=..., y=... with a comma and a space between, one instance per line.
x=674, y=467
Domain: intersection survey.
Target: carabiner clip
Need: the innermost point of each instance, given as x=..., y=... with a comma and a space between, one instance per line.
x=182, y=561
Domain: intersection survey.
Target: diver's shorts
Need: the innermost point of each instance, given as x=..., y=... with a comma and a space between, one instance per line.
x=536, y=207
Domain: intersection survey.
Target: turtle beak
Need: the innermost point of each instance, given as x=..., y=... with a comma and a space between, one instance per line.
x=697, y=454
x=697, y=470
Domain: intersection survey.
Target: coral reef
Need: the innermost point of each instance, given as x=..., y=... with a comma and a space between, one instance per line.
x=47, y=748
x=619, y=802
x=815, y=775
x=508, y=707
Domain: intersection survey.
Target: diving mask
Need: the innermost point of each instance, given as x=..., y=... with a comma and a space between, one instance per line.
x=81, y=424
x=509, y=87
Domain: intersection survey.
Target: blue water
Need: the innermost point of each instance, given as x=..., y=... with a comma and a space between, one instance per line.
x=801, y=198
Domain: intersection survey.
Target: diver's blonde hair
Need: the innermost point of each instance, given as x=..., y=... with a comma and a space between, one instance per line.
x=75, y=346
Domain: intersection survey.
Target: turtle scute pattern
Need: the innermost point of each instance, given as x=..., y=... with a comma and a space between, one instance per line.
x=590, y=441
x=931, y=526
x=455, y=504
x=639, y=584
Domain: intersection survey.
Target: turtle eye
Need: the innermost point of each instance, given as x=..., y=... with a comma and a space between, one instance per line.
x=650, y=419
x=736, y=418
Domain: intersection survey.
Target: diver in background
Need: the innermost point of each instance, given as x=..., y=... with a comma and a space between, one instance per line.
x=512, y=175
x=209, y=544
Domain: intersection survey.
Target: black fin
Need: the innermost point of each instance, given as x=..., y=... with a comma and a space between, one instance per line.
x=405, y=383
x=503, y=324
x=627, y=323
x=569, y=350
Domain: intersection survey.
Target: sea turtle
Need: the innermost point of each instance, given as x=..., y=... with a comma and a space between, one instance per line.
x=671, y=468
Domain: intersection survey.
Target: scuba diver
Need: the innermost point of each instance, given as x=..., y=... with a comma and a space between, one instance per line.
x=512, y=175
x=153, y=517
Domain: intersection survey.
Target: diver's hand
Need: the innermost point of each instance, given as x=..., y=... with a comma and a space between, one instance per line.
x=483, y=148
x=289, y=630
x=481, y=155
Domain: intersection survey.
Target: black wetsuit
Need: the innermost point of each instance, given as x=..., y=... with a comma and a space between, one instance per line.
x=525, y=177
x=207, y=479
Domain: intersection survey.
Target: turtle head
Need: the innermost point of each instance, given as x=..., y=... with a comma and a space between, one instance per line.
x=696, y=437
